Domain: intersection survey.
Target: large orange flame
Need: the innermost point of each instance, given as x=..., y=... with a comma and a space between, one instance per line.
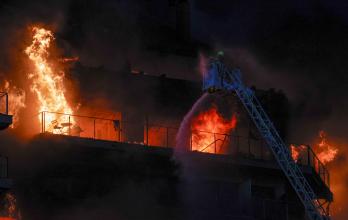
x=48, y=85
x=325, y=152
x=209, y=130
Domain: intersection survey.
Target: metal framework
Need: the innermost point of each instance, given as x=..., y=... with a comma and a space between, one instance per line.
x=219, y=77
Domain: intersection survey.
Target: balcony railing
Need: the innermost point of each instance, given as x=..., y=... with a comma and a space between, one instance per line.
x=307, y=157
x=152, y=134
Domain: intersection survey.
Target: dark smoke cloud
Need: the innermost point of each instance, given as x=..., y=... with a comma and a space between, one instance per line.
x=299, y=47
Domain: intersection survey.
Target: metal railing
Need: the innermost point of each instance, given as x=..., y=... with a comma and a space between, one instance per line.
x=107, y=129
x=307, y=157
x=151, y=134
x=231, y=144
x=4, y=103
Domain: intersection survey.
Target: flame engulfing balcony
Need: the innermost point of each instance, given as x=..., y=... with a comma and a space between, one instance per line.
x=5, y=118
x=149, y=134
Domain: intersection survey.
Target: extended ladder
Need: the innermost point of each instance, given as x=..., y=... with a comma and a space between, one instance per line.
x=221, y=78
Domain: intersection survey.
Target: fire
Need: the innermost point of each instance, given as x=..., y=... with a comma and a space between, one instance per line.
x=47, y=84
x=325, y=152
x=16, y=101
x=156, y=136
x=209, y=130
x=297, y=151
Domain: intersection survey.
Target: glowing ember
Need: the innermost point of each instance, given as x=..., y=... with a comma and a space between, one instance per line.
x=16, y=101
x=48, y=85
x=325, y=152
x=209, y=129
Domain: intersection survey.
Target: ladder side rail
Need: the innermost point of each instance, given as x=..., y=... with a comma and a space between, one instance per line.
x=271, y=135
x=235, y=75
x=278, y=147
x=306, y=199
x=269, y=122
x=287, y=152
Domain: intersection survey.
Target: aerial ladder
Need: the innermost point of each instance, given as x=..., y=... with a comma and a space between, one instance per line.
x=219, y=78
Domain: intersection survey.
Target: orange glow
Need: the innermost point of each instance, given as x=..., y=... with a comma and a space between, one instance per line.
x=325, y=152
x=338, y=175
x=47, y=84
x=157, y=136
x=209, y=129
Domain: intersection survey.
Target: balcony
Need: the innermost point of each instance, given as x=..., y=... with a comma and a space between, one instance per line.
x=250, y=149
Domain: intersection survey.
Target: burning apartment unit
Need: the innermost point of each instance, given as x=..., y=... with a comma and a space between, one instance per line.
x=156, y=149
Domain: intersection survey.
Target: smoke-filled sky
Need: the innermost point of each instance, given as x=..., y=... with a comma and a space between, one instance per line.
x=300, y=47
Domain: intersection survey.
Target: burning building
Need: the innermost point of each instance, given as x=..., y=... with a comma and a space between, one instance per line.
x=126, y=144
x=126, y=165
